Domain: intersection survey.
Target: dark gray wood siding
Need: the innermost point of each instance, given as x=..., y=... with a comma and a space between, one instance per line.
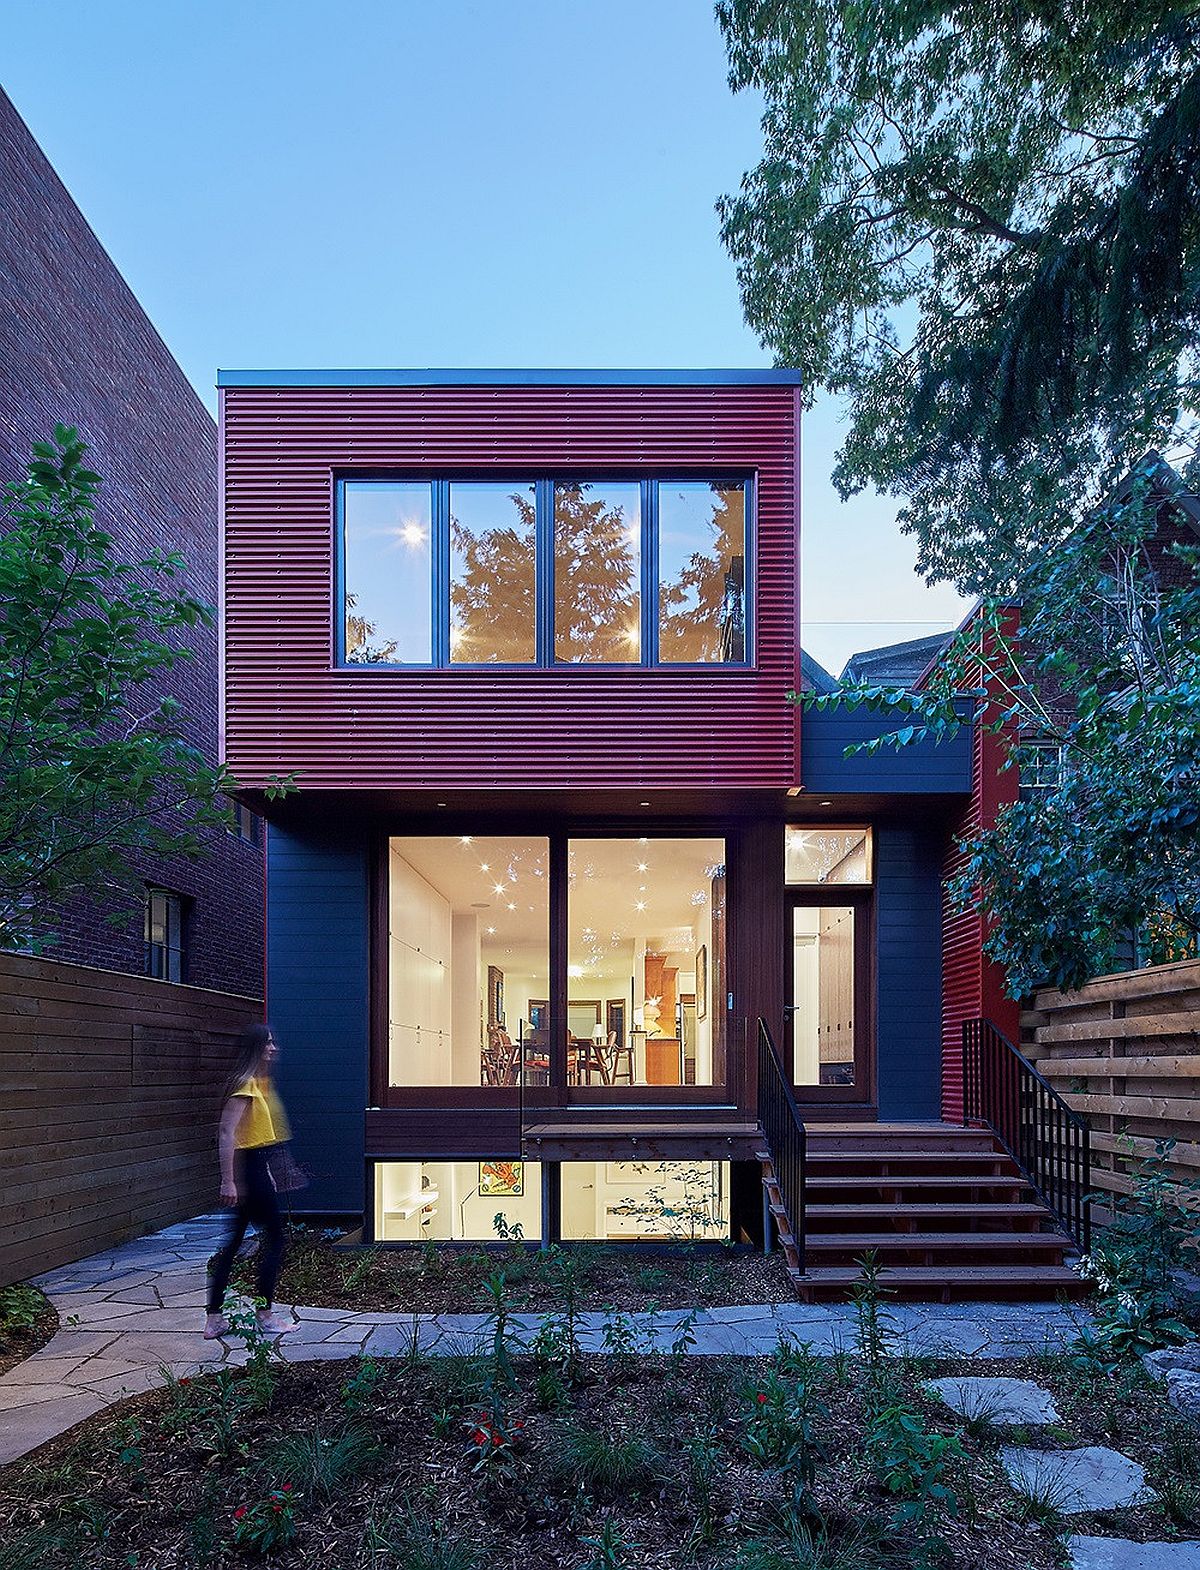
x=317, y=1004
x=908, y=859
x=924, y=768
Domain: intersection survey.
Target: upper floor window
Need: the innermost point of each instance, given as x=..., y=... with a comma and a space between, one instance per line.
x=1039, y=765
x=540, y=572
x=164, y=935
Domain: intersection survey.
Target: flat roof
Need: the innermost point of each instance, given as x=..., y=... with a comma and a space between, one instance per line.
x=512, y=378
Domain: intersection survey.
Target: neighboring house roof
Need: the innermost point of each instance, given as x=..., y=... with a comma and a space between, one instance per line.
x=896, y=664
x=814, y=677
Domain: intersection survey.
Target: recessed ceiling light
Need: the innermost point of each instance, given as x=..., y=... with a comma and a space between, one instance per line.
x=643, y=803
x=497, y=888
x=512, y=907
x=827, y=804
x=491, y=931
x=640, y=905
x=643, y=866
x=466, y=839
x=441, y=803
x=484, y=867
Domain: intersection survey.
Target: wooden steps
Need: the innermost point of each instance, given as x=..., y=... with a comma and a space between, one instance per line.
x=944, y=1209
x=938, y=1284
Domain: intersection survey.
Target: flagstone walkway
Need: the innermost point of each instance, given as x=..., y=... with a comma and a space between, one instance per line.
x=131, y=1311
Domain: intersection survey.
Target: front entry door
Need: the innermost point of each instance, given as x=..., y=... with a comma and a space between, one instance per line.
x=827, y=1017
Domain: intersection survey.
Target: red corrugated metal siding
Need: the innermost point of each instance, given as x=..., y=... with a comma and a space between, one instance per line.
x=972, y=985
x=287, y=709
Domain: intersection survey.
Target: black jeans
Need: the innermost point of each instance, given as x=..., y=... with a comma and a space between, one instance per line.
x=258, y=1203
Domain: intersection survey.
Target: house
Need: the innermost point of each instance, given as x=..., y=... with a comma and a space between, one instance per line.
x=573, y=920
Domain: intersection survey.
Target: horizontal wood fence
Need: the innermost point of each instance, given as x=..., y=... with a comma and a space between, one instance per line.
x=109, y=1093
x=1125, y=1051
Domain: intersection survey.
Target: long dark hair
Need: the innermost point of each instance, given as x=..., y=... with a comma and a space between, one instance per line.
x=252, y=1043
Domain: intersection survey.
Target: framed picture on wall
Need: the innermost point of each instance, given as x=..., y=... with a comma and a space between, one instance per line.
x=495, y=995
x=501, y=1179
x=702, y=982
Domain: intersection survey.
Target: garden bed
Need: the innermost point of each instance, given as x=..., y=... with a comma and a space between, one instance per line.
x=28, y=1319
x=446, y=1279
x=646, y=1462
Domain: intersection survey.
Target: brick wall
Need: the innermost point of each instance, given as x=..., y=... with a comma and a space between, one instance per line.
x=76, y=347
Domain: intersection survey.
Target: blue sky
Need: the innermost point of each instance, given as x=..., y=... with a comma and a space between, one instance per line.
x=436, y=182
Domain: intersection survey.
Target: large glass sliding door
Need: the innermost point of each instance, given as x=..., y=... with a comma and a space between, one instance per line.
x=630, y=995
x=645, y=963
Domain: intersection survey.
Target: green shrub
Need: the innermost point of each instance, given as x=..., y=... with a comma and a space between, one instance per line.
x=413, y=1539
x=606, y=1465
x=318, y=1464
x=21, y=1306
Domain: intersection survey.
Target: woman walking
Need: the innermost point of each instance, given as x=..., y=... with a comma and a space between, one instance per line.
x=253, y=1126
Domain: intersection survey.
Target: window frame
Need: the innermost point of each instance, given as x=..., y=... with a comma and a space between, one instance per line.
x=167, y=949
x=544, y=483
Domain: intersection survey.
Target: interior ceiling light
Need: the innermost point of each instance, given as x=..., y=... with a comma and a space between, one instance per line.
x=484, y=867
x=491, y=931
x=465, y=840
x=643, y=866
x=640, y=905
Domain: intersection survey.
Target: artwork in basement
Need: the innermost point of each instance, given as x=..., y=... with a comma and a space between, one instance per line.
x=604, y=1201
x=469, y=962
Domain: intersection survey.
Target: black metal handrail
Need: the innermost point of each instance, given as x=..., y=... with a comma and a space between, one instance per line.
x=779, y=1116
x=1047, y=1139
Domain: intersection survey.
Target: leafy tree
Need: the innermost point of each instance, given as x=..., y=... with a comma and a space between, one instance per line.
x=1101, y=663
x=96, y=768
x=981, y=224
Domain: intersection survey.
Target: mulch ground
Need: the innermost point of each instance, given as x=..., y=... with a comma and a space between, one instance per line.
x=17, y=1342
x=319, y=1274
x=651, y=1450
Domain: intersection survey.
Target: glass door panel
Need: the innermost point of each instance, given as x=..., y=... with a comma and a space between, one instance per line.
x=823, y=995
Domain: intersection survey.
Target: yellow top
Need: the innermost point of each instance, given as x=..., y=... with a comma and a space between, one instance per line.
x=264, y=1121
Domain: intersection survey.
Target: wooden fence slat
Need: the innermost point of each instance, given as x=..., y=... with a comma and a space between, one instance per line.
x=1140, y=1083
x=109, y=1091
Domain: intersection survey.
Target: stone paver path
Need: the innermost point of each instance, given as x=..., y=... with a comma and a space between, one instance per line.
x=1006, y=1402
x=131, y=1311
x=1072, y=1481
x=1118, y=1553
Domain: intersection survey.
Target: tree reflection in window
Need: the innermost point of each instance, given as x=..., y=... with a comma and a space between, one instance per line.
x=702, y=573
x=597, y=553
x=493, y=574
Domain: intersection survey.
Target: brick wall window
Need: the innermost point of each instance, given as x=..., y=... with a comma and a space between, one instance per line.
x=164, y=935
x=246, y=825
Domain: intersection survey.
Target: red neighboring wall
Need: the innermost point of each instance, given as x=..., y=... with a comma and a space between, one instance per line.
x=972, y=984
x=286, y=707
x=76, y=348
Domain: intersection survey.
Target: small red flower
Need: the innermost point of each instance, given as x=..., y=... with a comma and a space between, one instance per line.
x=287, y=1488
x=239, y=1512
x=479, y=1437
x=762, y=1398
x=185, y=1380
x=497, y=1440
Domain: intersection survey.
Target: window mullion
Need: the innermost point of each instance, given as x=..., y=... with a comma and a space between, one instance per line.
x=544, y=566
x=649, y=572
x=441, y=572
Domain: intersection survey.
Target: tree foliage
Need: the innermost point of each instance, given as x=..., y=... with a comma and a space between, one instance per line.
x=982, y=225
x=1101, y=664
x=96, y=768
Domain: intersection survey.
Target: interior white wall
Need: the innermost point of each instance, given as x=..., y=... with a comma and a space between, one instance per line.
x=448, y=1206
x=590, y=1188
x=466, y=998
x=419, y=991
